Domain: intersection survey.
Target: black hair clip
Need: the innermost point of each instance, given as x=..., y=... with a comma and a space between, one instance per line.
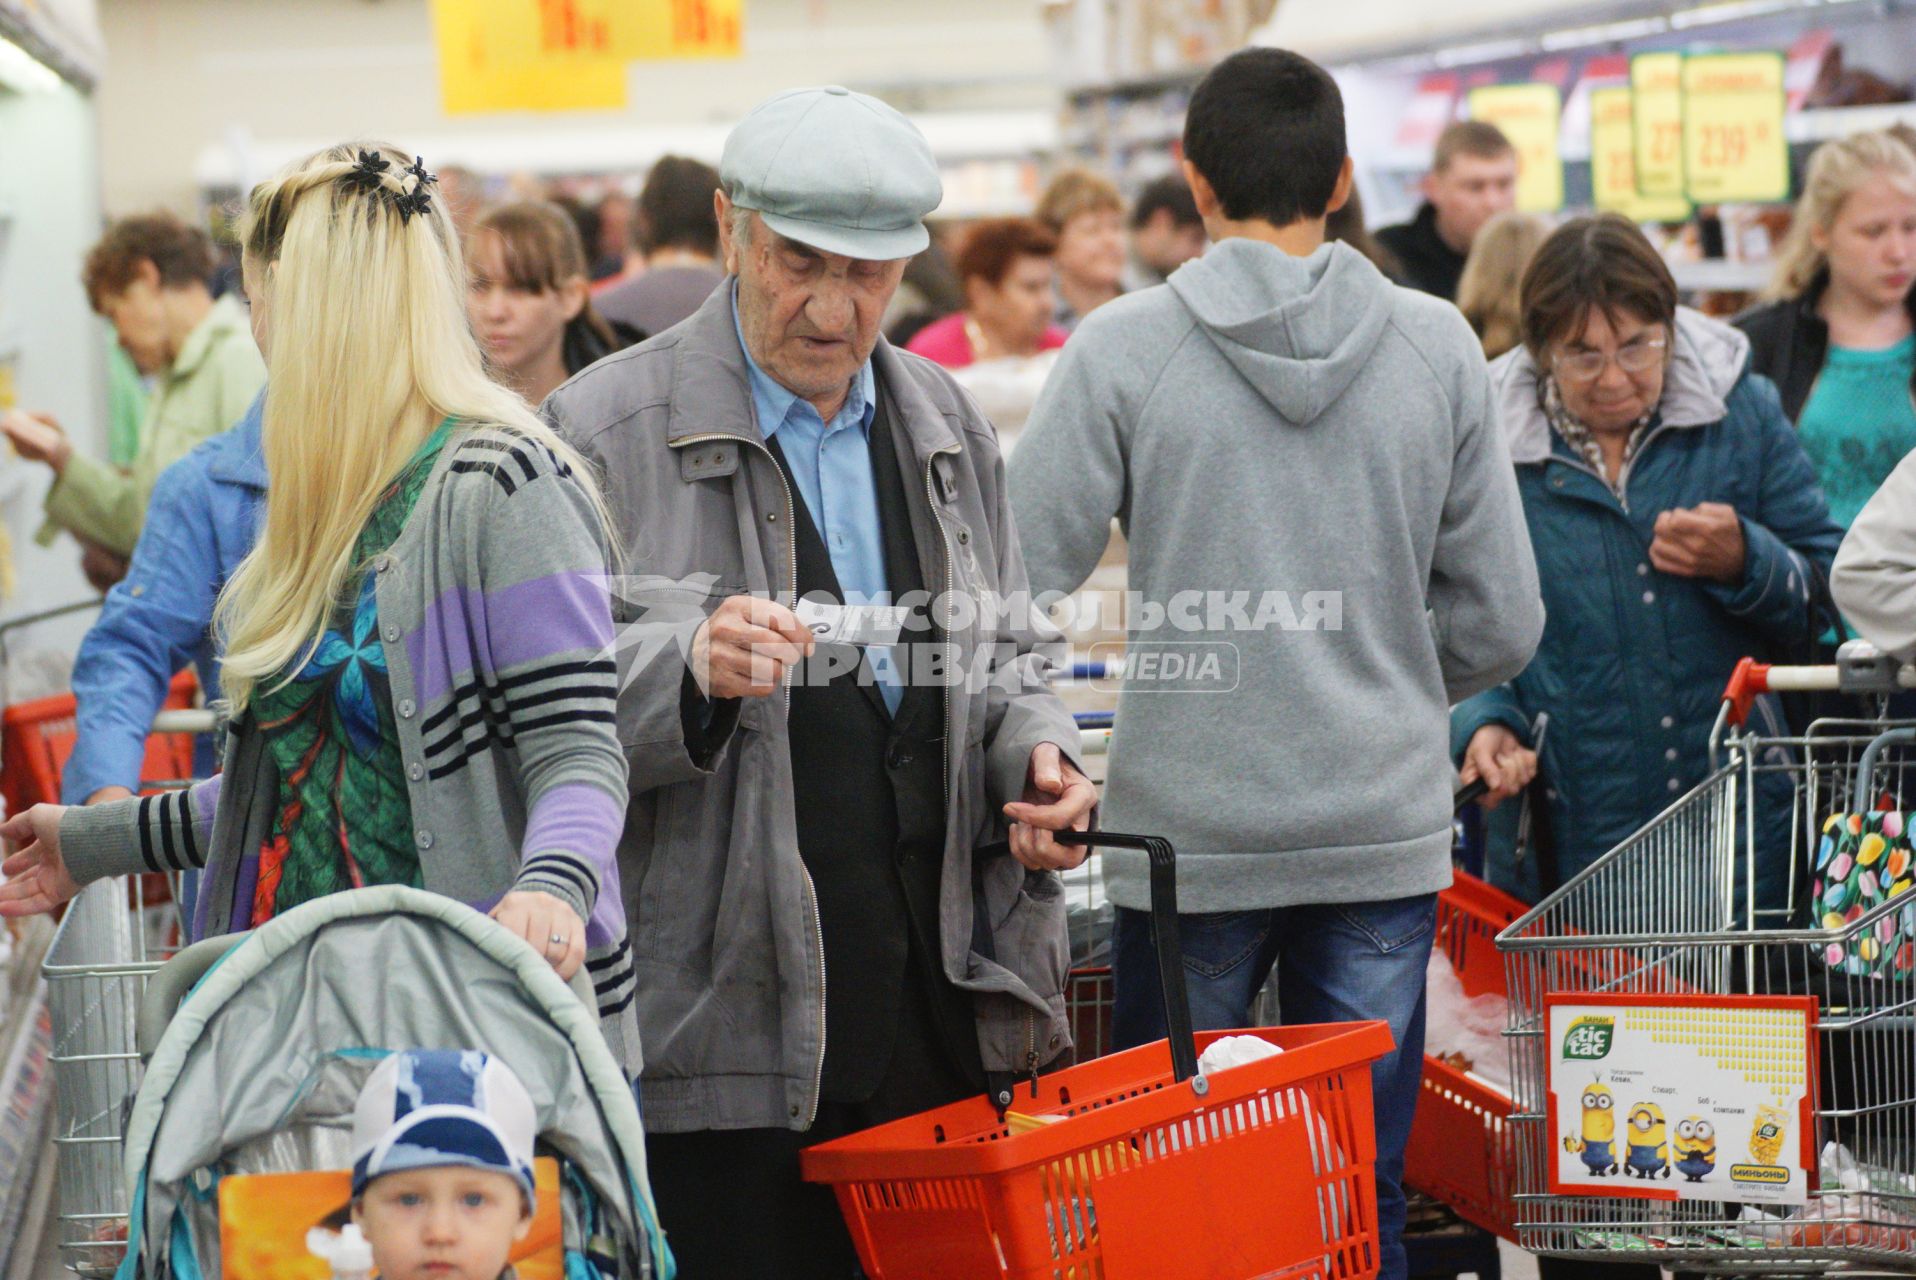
x=370, y=173
x=418, y=200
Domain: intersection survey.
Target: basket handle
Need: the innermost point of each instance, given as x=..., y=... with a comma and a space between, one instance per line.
x=1164, y=928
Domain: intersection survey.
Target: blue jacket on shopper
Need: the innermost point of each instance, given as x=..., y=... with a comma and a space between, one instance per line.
x=200, y=522
x=1633, y=661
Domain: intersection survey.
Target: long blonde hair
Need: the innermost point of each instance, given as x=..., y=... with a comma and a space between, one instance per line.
x=1489, y=292
x=1836, y=170
x=369, y=350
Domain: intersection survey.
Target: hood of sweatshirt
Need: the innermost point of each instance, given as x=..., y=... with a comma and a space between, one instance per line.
x=1708, y=358
x=1297, y=329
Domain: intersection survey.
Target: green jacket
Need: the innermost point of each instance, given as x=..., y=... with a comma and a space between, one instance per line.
x=216, y=376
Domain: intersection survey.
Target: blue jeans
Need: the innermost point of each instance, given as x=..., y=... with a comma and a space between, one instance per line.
x=1339, y=962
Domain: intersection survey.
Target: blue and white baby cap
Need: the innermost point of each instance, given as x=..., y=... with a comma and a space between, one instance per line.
x=427, y=1108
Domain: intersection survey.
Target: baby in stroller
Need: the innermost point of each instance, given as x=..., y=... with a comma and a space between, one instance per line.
x=442, y=1165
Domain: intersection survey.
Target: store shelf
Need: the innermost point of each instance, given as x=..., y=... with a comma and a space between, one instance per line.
x=1839, y=122
x=1718, y=276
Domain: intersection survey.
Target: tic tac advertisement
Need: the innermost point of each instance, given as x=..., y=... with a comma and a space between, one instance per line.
x=1663, y=1098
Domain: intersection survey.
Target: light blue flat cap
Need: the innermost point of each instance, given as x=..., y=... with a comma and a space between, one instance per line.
x=836, y=170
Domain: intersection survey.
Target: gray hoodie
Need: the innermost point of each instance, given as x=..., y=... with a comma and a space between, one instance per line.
x=1304, y=461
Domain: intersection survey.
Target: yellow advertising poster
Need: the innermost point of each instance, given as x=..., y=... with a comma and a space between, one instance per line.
x=1733, y=143
x=1682, y=1097
x=1613, y=164
x=488, y=62
x=1529, y=115
x=1656, y=116
x=624, y=30
x=264, y=1218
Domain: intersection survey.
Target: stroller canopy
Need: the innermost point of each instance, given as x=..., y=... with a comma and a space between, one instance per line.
x=260, y=1066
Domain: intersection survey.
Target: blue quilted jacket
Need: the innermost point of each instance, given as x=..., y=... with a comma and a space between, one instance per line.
x=1633, y=661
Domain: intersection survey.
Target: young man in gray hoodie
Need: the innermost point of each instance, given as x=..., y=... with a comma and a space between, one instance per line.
x=1326, y=551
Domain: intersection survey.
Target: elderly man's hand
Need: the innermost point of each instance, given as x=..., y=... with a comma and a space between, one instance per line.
x=1704, y=541
x=1057, y=798
x=37, y=437
x=747, y=648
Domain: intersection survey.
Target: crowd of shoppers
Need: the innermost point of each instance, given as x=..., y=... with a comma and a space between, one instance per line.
x=563, y=665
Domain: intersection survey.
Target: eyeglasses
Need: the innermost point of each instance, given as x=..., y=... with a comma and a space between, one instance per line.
x=1587, y=366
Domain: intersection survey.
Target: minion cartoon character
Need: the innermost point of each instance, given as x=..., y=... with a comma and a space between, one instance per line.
x=1766, y=1134
x=1597, y=1140
x=1647, y=1143
x=1695, y=1148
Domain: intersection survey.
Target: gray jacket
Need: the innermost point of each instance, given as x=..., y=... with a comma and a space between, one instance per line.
x=731, y=977
x=1874, y=578
x=1306, y=462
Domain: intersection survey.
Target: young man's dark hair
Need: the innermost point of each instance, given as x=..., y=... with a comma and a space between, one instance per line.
x=675, y=208
x=1172, y=194
x=1266, y=129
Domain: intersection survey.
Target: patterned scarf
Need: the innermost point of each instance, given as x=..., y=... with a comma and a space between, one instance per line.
x=1584, y=440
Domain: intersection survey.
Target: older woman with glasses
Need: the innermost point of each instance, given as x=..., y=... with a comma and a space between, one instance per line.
x=1678, y=526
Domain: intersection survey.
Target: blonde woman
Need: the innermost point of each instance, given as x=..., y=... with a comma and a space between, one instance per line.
x=417, y=648
x=1489, y=290
x=1837, y=337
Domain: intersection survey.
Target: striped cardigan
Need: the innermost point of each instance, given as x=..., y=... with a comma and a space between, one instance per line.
x=497, y=631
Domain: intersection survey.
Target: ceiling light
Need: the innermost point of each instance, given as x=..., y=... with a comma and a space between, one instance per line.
x=24, y=73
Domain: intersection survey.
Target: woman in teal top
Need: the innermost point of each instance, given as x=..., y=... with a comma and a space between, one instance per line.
x=1859, y=422
x=1838, y=339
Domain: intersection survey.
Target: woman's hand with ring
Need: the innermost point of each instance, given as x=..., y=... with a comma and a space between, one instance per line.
x=552, y=928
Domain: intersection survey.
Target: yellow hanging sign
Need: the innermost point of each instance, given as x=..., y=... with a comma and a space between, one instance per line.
x=1656, y=114
x=1613, y=165
x=626, y=30
x=486, y=63
x=1530, y=116
x=1733, y=143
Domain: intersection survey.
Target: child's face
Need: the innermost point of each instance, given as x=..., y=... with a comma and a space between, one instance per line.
x=450, y=1223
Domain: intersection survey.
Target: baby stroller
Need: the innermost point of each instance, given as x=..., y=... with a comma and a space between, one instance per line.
x=259, y=1046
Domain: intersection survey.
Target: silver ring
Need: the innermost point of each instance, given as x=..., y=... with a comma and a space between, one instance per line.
x=557, y=940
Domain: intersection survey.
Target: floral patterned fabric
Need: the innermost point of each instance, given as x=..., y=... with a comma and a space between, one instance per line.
x=344, y=819
x=1863, y=861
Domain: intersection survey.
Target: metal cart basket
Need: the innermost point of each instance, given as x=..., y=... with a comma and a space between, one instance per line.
x=1671, y=913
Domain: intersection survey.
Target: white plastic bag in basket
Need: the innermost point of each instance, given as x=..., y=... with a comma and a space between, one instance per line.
x=1469, y=1026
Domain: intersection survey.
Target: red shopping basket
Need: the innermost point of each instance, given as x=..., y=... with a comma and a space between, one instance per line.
x=1137, y=1168
x=39, y=735
x=1461, y=1148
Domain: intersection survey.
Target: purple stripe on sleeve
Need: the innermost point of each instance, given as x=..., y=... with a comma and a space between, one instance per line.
x=467, y=629
x=582, y=820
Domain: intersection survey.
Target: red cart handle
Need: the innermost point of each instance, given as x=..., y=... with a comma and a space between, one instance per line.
x=1750, y=680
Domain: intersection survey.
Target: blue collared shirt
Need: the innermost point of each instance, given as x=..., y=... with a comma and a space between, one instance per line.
x=832, y=467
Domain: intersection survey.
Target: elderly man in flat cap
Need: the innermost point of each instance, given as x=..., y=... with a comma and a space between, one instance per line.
x=854, y=712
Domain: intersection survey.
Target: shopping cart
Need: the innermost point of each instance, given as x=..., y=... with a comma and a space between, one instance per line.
x=1122, y=1169
x=1668, y=921
x=110, y=941
x=114, y=935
